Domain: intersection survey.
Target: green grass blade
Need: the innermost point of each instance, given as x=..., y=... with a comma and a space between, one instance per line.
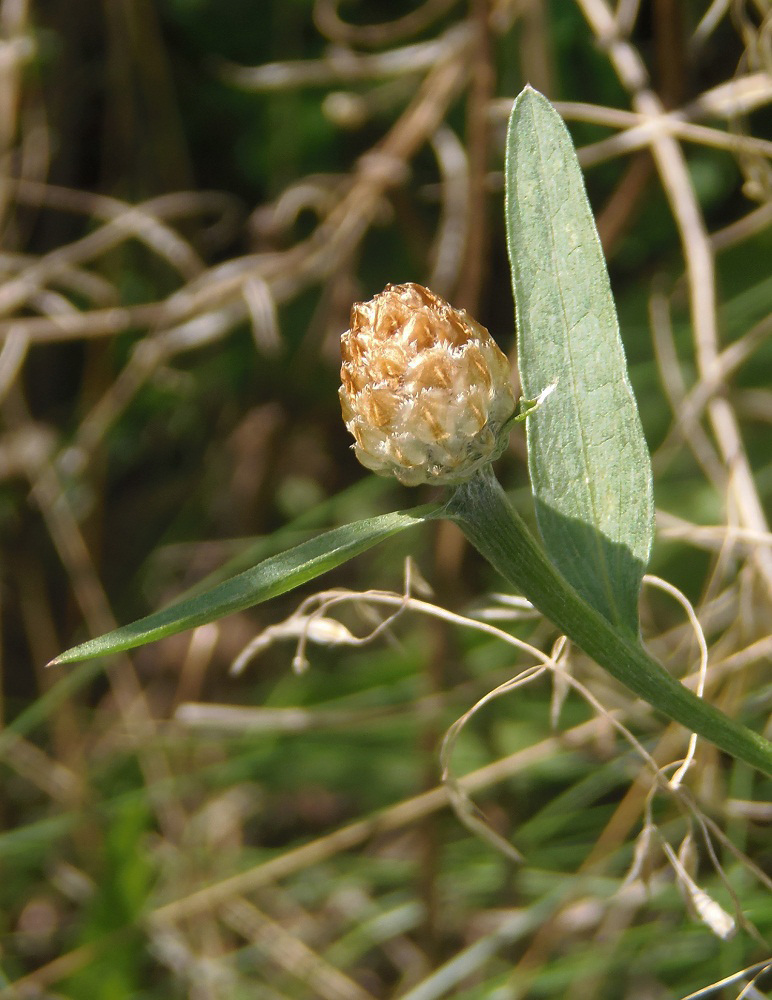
x=267, y=579
x=589, y=464
x=41, y=709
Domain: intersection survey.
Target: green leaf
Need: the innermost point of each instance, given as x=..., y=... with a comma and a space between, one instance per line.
x=267, y=579
x=588, y=461
x=481, y=508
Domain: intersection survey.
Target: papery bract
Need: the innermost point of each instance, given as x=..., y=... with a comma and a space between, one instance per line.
x=426, y=392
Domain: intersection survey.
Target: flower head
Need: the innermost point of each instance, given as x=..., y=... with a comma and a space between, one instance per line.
x=425, y=391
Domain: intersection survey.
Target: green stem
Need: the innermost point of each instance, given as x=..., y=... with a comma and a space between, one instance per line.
x=481, y=508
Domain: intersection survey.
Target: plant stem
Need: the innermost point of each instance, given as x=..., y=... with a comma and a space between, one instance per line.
x=482, y=510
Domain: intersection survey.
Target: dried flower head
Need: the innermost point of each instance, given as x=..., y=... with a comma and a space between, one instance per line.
x=425, y=391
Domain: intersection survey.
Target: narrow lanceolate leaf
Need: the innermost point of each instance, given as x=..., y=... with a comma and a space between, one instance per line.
x=267, y=579
x=589, y=464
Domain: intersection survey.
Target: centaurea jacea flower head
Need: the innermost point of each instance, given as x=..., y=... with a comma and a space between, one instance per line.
x=426, y=391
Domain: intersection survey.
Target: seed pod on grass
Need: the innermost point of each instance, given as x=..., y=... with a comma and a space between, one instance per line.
x=425, y=391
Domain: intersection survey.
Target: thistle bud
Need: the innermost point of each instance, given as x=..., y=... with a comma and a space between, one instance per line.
x=426, y=391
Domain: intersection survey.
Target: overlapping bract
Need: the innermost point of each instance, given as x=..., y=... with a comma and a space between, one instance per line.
x=426, y=391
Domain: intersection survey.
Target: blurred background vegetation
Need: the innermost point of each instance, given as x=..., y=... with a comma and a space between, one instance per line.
x=192, y=195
